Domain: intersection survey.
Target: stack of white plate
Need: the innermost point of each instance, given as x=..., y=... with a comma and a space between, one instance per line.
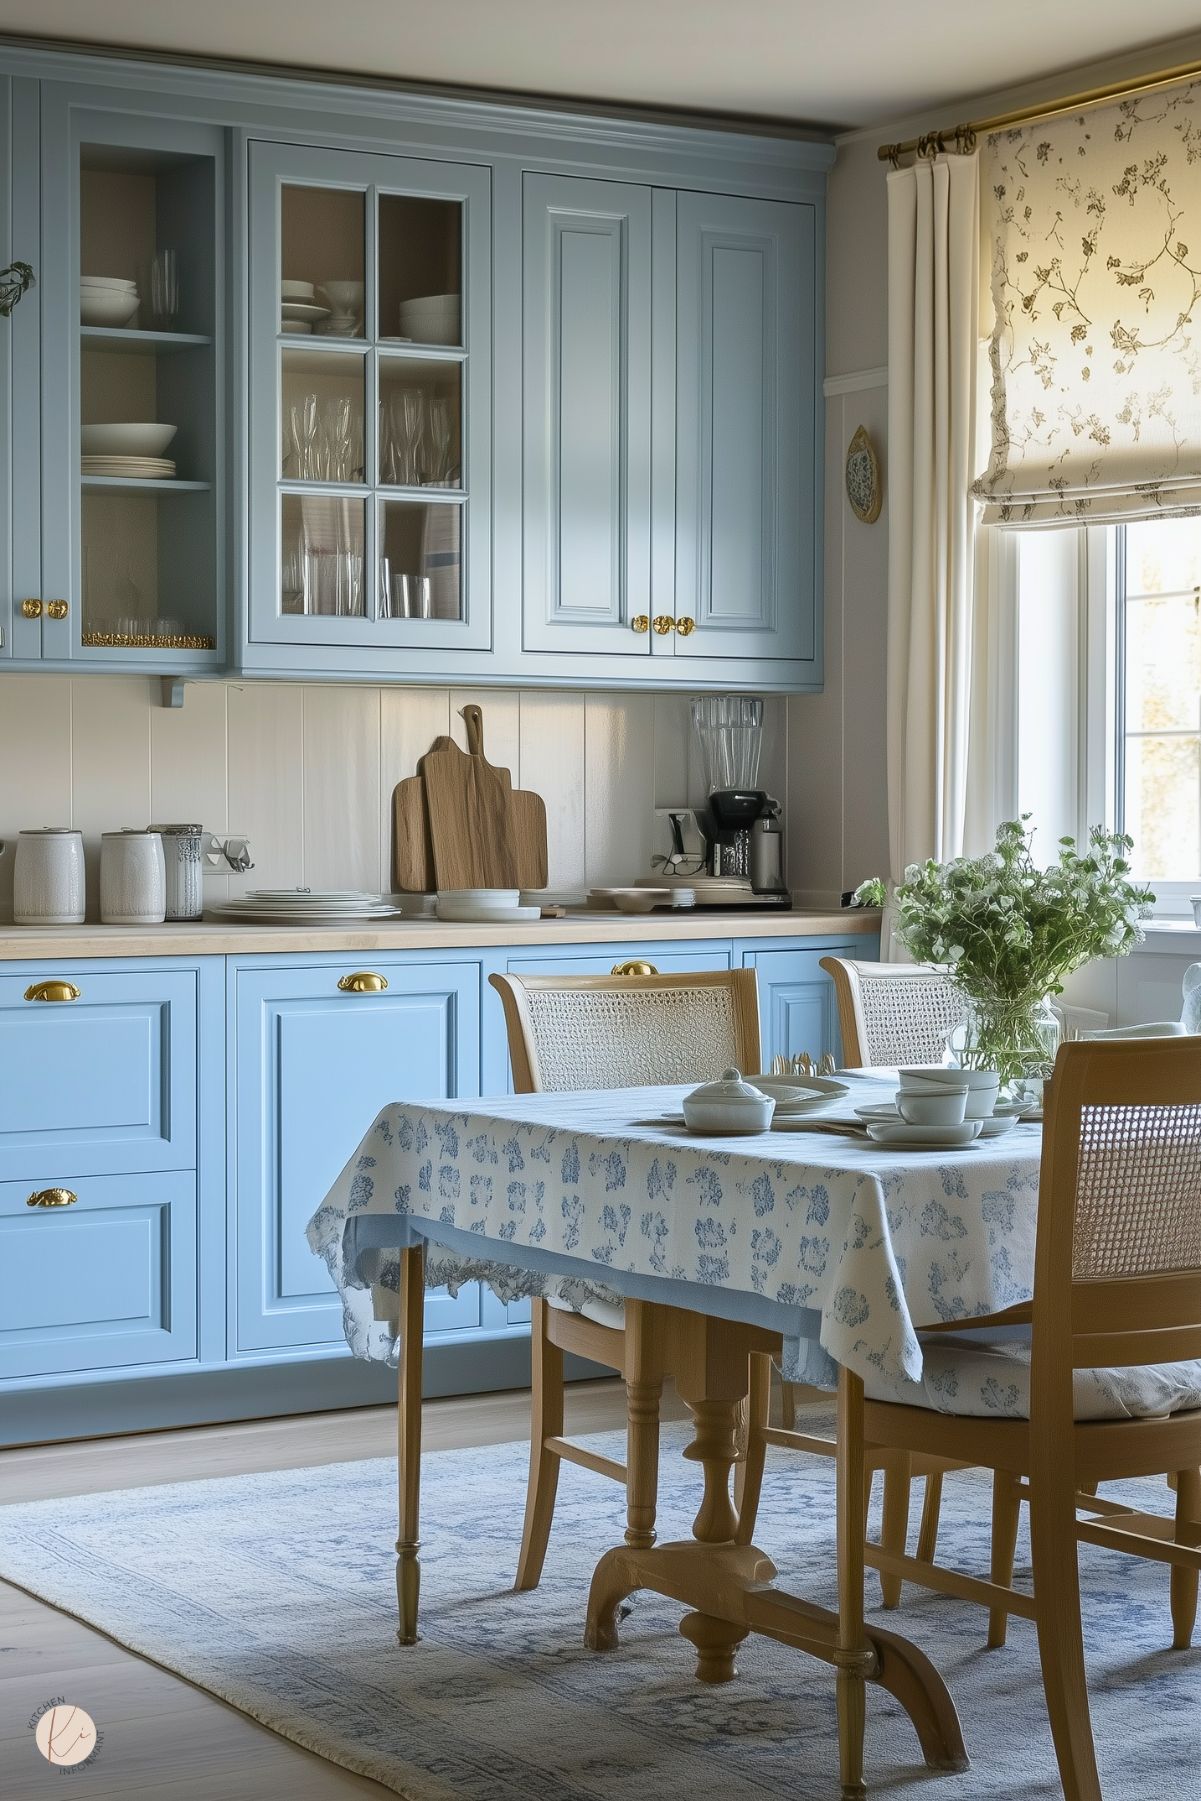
x=298, y=308
x=107, y=300
x=483, y=906
x=431, y=319
x=306, y=906
x=130, y=450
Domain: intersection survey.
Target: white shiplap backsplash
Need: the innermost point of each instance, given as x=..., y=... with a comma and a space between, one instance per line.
x=307, y=771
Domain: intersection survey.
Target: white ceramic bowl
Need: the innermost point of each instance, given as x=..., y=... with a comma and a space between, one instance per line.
x=343, y=296
x=296, y=290
x=932, y=1109
x=981, y=1085
x=482, y=897
x=125, y=440
x=729, y=1116
x=113, y=284
x=99, y=306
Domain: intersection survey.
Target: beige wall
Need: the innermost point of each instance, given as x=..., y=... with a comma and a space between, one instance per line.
x=836, y=739
x=307, y=771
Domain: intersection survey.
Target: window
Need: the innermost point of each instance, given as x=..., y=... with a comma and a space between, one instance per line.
x=1103, y=665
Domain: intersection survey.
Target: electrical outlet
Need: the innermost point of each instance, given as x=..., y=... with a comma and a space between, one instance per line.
x=664, y=844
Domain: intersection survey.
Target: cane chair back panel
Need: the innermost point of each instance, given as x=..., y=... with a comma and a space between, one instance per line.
x=893, y=1013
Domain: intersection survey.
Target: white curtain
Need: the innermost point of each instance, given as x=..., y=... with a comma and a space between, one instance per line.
x=933, y=357
x=1093, y=227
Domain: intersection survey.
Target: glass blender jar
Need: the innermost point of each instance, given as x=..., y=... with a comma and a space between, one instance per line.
x=729, y=731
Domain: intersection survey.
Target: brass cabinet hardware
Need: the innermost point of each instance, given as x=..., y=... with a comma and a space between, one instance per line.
x=636, y=967
x=52, y=991
x=31, y=609
x=663, y=623
x=56, y=609
x=52, y=1197
x=685, y=626
x=640, y=622
x=363, y=981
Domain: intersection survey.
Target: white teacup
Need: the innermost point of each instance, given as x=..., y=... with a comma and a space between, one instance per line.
x=945, y=1109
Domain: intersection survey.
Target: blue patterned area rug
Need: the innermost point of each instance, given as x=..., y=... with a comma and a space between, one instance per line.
x=276, y=1593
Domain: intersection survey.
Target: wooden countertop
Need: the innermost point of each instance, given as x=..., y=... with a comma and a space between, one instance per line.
x=219, y=938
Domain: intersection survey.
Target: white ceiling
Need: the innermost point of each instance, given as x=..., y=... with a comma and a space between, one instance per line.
x=810, y=61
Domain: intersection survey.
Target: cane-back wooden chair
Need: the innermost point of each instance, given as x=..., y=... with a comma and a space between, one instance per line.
x=1108, y=1385
x=625, y=1030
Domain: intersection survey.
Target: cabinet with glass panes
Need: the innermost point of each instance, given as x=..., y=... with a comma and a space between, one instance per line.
x=369, y=401
x=138, y=420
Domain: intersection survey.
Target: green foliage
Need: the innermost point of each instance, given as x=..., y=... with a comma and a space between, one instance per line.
x=1008, y=929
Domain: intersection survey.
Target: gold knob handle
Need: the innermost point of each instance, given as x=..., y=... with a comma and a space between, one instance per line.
x=52, y=991
x=363, y=981
x=685, y=626
x=52, y=1197
x=56, y=609
x=663, y=623
x=640, y=622
x=634, y=968
x=31, y=609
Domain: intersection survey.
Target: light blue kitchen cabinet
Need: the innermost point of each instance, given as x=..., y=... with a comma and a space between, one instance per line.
x=587, y=374
x=101, y=1081
x=103, y=1280
x=311, y=1066
x=797, y=1008
x=370, y=448
x=133, y=550
x=747, y=437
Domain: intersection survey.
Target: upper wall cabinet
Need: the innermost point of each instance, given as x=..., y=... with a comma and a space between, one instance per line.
x=369, y=404
x=745, y=410
x=586, y=292
x=131, y=304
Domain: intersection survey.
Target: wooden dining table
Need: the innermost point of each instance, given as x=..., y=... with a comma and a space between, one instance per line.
x=811, y=1243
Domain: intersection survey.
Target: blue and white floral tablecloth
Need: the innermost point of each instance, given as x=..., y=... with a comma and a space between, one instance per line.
x=843, y=1247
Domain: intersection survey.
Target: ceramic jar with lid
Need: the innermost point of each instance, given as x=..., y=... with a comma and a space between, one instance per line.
x=185, y=869
x=729, y=1105
x=48, y=877
x=133, y=879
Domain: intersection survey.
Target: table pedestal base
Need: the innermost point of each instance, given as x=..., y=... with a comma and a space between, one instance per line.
x=731, y=1587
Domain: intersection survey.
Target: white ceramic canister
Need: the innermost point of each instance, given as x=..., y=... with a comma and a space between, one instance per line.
x=133, y=879
x=48, y=877
x=185, y=869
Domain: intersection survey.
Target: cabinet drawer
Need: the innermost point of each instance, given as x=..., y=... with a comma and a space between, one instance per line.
x=102, y=1084
x=108, y=1281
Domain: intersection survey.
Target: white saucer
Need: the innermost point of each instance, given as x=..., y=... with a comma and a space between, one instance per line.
x=995, y=1126
x=299, y=309
x=899, y=1135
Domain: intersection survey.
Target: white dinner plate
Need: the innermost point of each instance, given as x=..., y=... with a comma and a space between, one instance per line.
x=820, y=1089
x=899, y=1135
x=302, y=310
x=258, y=916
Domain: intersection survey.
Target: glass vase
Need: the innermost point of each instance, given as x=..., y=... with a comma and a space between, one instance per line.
x=1017, y=1036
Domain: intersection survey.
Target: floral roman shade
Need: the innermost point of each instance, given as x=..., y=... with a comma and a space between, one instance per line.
x=1092, y=223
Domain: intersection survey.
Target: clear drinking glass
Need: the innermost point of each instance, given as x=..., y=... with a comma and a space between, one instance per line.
x=160, y=291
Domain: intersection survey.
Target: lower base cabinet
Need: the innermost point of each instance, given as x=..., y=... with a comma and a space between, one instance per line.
x=219, y=1121
x=313, y=1064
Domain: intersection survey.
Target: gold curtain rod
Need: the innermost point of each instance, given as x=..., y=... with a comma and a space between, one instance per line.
x=962, y=138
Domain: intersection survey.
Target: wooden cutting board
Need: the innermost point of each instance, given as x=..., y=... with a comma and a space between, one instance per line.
x=469, y=806
x=527, y=814
x=413, y=856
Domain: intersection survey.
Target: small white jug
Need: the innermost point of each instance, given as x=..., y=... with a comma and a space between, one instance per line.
x=48, y=877
x=133, y=879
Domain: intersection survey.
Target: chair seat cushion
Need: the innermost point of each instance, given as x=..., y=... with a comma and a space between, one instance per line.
x=602, y=1312
x=981, y=1378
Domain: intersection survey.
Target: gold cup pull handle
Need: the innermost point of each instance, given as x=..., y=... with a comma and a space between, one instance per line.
x=363, y=981
x=636, y=967
x=52, y=1197
x=52, y=991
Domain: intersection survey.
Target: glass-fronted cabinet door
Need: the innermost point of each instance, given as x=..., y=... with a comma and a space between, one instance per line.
x=369, y=402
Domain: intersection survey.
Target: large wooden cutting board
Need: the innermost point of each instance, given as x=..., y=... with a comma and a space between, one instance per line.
x=469, y=805
x=527, y=813
x=413, y=855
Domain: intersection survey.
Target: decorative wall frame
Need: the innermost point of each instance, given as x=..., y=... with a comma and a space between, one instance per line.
x=865, y=490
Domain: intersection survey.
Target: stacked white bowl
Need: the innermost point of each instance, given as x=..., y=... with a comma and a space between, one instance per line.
x=482, y=906
x=431, y=319
x=107, y=300
x=936, y=1095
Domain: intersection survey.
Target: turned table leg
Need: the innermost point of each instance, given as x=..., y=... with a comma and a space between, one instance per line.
x=854, y=1659
x=644, y=1394
x=715, y=1447
x=408, y=1440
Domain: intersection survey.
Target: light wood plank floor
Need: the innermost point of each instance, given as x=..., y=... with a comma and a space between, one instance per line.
x=163, y=1737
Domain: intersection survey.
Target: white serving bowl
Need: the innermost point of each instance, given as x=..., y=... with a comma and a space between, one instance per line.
x=982, y=1086
x=296, y=290
x=108, y=284
x=125, y=440
x=932, y=1109
x=482, y=897
x=106, y=306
